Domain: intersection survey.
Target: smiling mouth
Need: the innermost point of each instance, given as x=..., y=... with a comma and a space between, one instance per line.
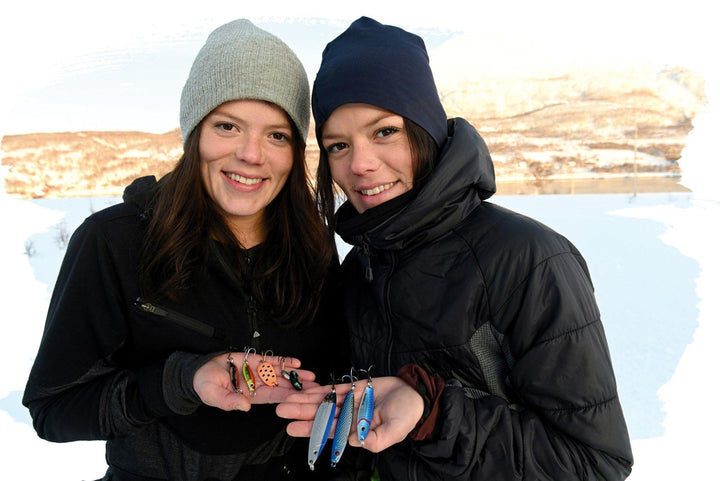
x=244, y=180
x=377, y=190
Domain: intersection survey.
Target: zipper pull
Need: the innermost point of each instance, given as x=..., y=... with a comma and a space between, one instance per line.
x=148, y=307
x=252, y=318
x=368, y=267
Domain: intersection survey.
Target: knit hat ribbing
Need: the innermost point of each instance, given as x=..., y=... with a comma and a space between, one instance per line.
x=242, y=61
x=381, y=65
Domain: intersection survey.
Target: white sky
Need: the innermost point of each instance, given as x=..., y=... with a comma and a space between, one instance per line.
x=43, y=40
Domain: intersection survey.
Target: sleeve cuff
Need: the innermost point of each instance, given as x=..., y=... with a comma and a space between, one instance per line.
x=430, y=389
x=177, y=381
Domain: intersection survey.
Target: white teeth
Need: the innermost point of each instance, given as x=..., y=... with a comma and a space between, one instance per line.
x=244, y=180
x=378, y=189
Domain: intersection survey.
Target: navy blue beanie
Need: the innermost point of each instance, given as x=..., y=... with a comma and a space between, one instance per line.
x=380, y=65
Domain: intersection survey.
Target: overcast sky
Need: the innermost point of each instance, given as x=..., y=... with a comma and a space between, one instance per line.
x=95, y=65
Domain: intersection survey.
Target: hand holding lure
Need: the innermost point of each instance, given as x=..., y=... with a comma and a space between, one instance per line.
x=365, y=412
x=247, y=372
x=267, y=372
x=321, y=427
x=291, y=376
x=342, y=429
x=234, y=374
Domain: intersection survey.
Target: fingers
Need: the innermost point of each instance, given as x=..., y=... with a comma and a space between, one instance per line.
x=299, y=429
x=298, y=411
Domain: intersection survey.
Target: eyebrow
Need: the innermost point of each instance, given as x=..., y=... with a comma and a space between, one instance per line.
x=373, y=120
x=285, y=124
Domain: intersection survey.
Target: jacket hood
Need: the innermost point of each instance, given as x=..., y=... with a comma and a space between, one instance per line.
x=463, y=177
x=140, y=193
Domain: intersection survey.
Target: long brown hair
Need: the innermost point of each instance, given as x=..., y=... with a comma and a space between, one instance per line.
x=288, y=276
x=424, y=154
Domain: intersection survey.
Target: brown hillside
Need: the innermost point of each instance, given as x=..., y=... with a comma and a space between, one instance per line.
x=579, y=124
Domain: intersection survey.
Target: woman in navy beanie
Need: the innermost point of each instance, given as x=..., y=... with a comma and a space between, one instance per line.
x=479, y=325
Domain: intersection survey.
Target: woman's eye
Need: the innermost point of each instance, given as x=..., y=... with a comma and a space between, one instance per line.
x=226, y=126
x=336, y=147
x=387, y=131
x=279, y=136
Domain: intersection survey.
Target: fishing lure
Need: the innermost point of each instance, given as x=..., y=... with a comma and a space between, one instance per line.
x=247, y=372
x=342, y=429
x=291, y=376
x=321, y=427
x=234, y=374
x=365, y=412
x=267, y=372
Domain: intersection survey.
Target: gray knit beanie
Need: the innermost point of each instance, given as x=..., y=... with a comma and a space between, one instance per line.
x=242, y=61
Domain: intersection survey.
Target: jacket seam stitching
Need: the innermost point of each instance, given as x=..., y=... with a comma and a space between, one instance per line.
x=566, y=333
x=584, y=406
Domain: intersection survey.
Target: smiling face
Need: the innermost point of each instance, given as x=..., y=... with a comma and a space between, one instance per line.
x=368, y=154
x=246, y=153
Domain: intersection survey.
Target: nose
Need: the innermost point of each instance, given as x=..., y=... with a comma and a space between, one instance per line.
x=362, y=160
x=249, y=149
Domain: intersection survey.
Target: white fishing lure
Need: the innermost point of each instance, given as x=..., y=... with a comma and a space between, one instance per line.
x=321, y=427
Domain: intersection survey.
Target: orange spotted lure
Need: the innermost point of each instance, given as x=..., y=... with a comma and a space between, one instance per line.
x=267, y=372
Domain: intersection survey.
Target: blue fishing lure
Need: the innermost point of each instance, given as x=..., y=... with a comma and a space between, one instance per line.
x=365, y=412
x=342, y=430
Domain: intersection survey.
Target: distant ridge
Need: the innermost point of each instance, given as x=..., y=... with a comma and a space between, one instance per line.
x=572, y=123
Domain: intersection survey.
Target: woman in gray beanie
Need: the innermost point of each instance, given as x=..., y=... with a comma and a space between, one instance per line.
x=167, y=304
x=488, y=356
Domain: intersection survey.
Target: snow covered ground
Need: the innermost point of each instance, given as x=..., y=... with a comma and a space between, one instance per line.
x=656, y=271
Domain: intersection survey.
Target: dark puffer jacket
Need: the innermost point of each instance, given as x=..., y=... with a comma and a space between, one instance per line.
x=107, y=368
x=502, y=308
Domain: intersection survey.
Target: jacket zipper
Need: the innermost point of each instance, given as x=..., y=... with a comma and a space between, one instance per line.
x=388, y=316
x=368, y=267
x=180, y=319
x=252, y=318
x=252, y=315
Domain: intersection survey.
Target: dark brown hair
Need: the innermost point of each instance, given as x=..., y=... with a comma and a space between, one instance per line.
x=424, y=153
x=287, y=277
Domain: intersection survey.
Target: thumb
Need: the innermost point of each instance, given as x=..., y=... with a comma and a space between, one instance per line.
x=222, y=398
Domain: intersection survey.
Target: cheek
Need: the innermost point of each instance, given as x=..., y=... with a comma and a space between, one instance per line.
x=405, y=162
x=337, y=173
x=284, y=168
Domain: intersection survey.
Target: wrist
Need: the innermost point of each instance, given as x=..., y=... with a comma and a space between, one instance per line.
x=429, y=388
x=178, y=374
